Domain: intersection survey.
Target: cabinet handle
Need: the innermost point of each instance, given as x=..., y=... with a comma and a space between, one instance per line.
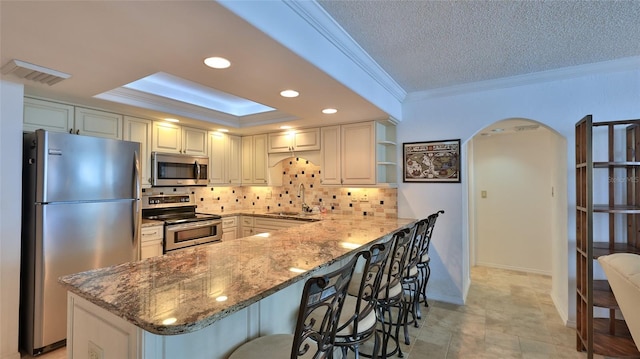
x=77, y=132
x=71, y=131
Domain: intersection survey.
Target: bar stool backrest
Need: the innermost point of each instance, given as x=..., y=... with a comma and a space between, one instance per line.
x=398, y=258
x=322, y=297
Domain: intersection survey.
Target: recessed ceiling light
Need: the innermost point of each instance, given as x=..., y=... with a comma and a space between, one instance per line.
x=217, y=62
x=285, y=127
x=289, y=93
x=222, y=130
x=171, y=120
x=329, y=111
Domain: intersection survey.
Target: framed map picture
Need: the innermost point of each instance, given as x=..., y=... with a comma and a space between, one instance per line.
x=434, y=161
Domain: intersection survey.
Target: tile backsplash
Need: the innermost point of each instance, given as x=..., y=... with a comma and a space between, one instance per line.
x=358, y=201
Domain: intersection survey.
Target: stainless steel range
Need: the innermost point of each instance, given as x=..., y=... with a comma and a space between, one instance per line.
x=183, y=226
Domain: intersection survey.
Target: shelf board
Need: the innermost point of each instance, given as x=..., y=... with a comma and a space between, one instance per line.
x=387, y=163
x=615, y=164
x=618, y=208
x=604, y=248
x=620, y=345
x=616, y=123
x=603, y=296
x=387, y=143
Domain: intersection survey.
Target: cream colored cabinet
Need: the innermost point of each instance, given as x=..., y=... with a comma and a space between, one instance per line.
x=98, y=123
x=151, y=241
x=229, y=228
x=254, y=160
x=246, y=226
x=172, y=138
x=139, y=130
x=359, y=154
x=299, y=140
x=252, y=225
x=267, y=225
x=224, y=159
x=59, y=117
x=47, y=115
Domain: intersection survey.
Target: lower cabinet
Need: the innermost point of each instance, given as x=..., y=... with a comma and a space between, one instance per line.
x=229, y=228
x=251, y=225
x=151, y=241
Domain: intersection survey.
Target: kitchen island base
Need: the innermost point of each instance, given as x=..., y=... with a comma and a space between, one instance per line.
x=99, y=334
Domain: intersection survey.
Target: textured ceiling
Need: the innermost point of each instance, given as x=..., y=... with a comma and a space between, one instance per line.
x=433, y=44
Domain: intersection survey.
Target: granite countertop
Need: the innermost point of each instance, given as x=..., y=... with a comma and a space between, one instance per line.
x=184, y=285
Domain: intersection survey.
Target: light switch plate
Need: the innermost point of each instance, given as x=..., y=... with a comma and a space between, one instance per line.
x=364, y=197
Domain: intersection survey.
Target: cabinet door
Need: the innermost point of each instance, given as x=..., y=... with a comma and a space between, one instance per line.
x=307, y=140
x=330, y=155
x=280, y=142
x=46, y=115
x=229, y=233
x=260, y=158
x=234, y=160
x=167, y=137
x=139, y=130
x=247, y=160
x=98, y=123
x=218, y=153
x=194, y=141
x=358, y=153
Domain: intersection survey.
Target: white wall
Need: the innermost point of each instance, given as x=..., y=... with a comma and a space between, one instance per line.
x=514, y=219
x=10, y=203
x=609, y=93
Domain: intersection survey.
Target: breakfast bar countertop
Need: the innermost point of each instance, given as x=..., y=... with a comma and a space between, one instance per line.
x=188, y=290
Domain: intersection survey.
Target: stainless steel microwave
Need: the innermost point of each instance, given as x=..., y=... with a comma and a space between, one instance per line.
x=171, y=169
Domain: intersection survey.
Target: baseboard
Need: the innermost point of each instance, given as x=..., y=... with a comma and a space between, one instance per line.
x=517, y=269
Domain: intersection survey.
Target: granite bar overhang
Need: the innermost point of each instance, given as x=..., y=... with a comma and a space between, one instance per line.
x=185, y=291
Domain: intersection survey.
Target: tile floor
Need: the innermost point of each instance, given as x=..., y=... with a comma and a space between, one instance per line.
x=508, y=314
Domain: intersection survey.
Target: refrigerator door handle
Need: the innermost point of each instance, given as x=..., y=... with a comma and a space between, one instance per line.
x=136, y=207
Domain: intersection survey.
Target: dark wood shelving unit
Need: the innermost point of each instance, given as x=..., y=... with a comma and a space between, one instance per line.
x=620, y=217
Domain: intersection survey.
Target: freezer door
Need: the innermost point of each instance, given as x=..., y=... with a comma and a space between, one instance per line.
x=84, y=168
x=76, y=237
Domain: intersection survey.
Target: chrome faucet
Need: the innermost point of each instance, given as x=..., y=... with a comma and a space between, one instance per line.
x=305, y=207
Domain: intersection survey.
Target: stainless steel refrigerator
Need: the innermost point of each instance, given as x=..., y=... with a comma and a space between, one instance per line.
x=81, y=210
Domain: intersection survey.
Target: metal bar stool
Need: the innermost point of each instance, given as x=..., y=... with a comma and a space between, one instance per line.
x=423, y=264
x=358, y=319
x=322, y=301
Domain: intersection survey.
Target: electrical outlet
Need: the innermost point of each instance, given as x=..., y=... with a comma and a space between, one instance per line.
x=364, y=197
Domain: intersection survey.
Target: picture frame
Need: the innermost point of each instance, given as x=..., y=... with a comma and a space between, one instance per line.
x=431, y=161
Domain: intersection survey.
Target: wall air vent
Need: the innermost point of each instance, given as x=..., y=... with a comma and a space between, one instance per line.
x=33, y=72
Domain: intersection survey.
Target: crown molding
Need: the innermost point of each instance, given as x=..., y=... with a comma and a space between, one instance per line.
x=565, y=73
x=325, y=25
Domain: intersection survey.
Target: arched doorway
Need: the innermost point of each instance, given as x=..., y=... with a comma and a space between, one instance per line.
x=517, y=199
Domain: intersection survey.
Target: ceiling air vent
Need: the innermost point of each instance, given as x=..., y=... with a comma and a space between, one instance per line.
x=33, y=72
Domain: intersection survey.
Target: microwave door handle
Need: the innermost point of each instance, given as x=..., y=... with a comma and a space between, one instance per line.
x=197, y=171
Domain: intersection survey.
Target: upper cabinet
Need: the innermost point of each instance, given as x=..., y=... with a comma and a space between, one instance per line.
x=58, y=117
x=171, y=138
x=359, y=154
x=98, y=123
x=139, y=130
x=254, y=160
x=299, y=140
x=224, y=159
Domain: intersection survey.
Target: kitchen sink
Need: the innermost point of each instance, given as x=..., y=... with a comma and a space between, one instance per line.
x=291, y=213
